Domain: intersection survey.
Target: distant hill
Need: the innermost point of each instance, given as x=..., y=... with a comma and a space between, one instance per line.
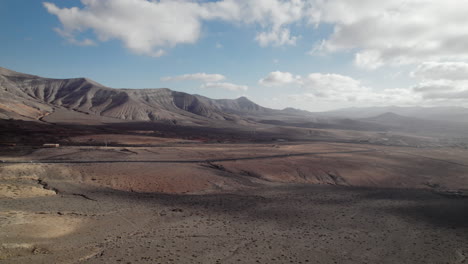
x=297, y=111
x=453, y=114
x=391, y=119
x=395, y=122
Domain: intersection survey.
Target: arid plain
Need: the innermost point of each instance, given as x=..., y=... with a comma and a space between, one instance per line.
x=183, y=201
x=158, y=176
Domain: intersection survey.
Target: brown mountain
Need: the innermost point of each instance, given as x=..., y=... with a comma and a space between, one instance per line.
x=84, y=101
x=27, y=97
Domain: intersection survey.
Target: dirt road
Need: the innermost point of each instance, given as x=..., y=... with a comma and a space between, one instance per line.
x=182, y=161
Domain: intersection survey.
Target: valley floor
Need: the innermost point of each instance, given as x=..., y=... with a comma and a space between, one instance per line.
x=287, y=224
x=234, y=203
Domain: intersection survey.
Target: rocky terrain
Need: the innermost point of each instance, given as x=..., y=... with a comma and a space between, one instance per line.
x=159, y=176
x=189, y=202
x=288, y=224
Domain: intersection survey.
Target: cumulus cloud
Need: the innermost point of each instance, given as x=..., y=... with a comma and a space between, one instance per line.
x=451, y=96
x=339, y=89
x=278, y=78
x=225, y=86
x=442, y=81
x=442, y=71
x=274, y=17
x=204, y=77
x=377, y=32
x=71, y=39
x=150, y=27
x=434, y=86
x=342, y=90
x=370, y=60
x=276, y=38
x=211, y=81
x=324, y=85
x=318, y=84
x=447, y=90
x=394, y=31
x=144, y=27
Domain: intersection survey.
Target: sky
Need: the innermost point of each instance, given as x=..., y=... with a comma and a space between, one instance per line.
x=315, y=55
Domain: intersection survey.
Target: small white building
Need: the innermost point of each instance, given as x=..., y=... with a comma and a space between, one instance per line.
x=51, y=145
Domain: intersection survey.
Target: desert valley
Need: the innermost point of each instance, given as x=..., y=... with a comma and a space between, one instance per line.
x=92, y=174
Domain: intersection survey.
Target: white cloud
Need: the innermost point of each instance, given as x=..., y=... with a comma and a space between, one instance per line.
x=394, y=31
x=377, y=32
x=144, y=27
x=275, y=17
x=442, y=71
x=368, y=60
x=278, y=78
x=71, y=39
x=451, y=96
x=331, y=89
x=434, y=86
x=204, y=77
x=335, y=87
x=318, y=84
x=442, y=81
x=225, y=86
x=150, y=27
x=278, y=37
x=447, y=90
x=331, y=81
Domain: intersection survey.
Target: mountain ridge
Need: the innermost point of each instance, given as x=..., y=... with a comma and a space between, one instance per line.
x=87, y=96
x=82, y=100
x=439, y=113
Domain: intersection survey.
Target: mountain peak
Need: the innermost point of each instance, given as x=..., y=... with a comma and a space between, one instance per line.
x=243, y=99
x=8, y=72
x=388, y=115
x=292, y=109
x=93, y=82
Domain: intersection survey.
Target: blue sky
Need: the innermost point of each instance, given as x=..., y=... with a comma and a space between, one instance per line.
x=309, y=61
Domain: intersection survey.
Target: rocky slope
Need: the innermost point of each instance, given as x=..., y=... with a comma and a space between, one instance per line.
x=32, y=97
x=84, y=101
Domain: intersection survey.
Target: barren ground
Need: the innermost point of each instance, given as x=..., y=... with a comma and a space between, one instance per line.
x=188, y=202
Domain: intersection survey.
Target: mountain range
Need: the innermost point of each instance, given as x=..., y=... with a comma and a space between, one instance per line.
x=451, y=113
x=29, y=97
